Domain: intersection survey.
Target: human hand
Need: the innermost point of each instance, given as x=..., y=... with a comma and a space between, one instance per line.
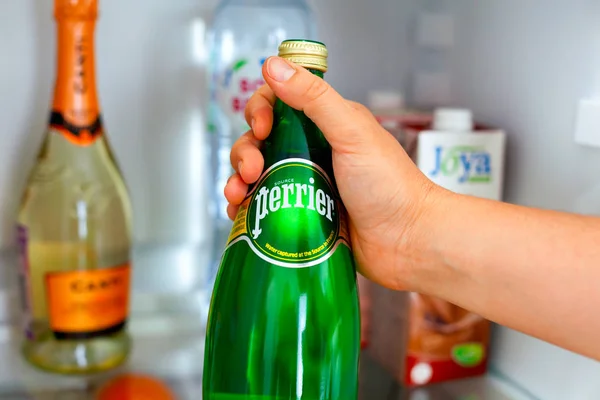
x=385, y=194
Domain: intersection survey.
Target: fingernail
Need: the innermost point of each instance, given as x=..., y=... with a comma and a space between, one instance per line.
x=252, y=125
x=279, y=70
x=240, y=168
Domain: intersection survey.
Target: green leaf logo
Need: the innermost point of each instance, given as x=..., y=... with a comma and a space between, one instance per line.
x=468, y=354
x=239, y=65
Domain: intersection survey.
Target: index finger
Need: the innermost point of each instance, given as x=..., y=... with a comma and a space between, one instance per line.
x=259, y=112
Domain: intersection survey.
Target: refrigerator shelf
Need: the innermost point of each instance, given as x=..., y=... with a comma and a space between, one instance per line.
x=171, y=348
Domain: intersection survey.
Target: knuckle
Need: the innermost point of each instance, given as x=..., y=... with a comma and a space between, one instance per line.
x=261, y=95
x=240, y=142
x=359, y=107
x=246, y=137
x=236, y=152
x=317, y=89
x=366, y=115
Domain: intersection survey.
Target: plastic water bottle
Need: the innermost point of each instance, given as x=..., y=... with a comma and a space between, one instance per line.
x=243, y=35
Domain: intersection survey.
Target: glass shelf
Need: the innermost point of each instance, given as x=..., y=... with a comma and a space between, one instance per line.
x=168, y=343
x=171, y=349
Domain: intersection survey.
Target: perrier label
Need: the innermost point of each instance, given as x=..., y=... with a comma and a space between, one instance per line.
x=284, y=315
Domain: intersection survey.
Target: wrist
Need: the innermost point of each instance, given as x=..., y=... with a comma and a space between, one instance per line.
x=423, y=248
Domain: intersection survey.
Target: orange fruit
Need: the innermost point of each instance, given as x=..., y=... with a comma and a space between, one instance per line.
x=135, y=387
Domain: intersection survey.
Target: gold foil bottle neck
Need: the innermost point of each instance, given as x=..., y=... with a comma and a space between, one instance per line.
x=306, y=53
x=76, y=9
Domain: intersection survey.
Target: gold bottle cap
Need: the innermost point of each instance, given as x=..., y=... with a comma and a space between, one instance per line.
x=306, y=53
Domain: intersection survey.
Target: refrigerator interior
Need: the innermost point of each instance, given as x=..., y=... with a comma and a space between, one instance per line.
x=521, y=66
x=525, y=66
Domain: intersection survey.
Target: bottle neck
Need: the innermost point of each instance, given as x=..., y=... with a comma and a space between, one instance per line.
x=75, y=108
x=293, y=133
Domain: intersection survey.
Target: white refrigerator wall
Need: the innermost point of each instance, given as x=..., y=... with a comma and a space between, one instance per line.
x=151, y=65
x=151, y=71
x=523, y=66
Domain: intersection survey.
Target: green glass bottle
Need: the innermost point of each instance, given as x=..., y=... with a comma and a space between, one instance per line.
x=284, y=318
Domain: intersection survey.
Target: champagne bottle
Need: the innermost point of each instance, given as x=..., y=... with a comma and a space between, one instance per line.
x=284, y=317
x=74, y=220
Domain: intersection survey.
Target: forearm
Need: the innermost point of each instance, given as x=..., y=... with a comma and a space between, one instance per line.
x=533, y=270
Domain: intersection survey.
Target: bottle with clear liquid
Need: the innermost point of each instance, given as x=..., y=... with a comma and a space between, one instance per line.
x=243, y=35
x=74, y=220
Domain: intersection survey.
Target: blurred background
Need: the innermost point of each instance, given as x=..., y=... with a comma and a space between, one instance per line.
x=529, y=68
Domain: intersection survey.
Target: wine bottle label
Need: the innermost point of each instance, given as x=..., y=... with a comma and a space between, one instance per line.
x=85, y=304
x=292, y=217
x=75, y=110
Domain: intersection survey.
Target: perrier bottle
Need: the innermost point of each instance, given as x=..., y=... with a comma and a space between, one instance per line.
x=284, y=317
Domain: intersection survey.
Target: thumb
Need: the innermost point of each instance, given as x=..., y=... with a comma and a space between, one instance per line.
x=345, y=128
